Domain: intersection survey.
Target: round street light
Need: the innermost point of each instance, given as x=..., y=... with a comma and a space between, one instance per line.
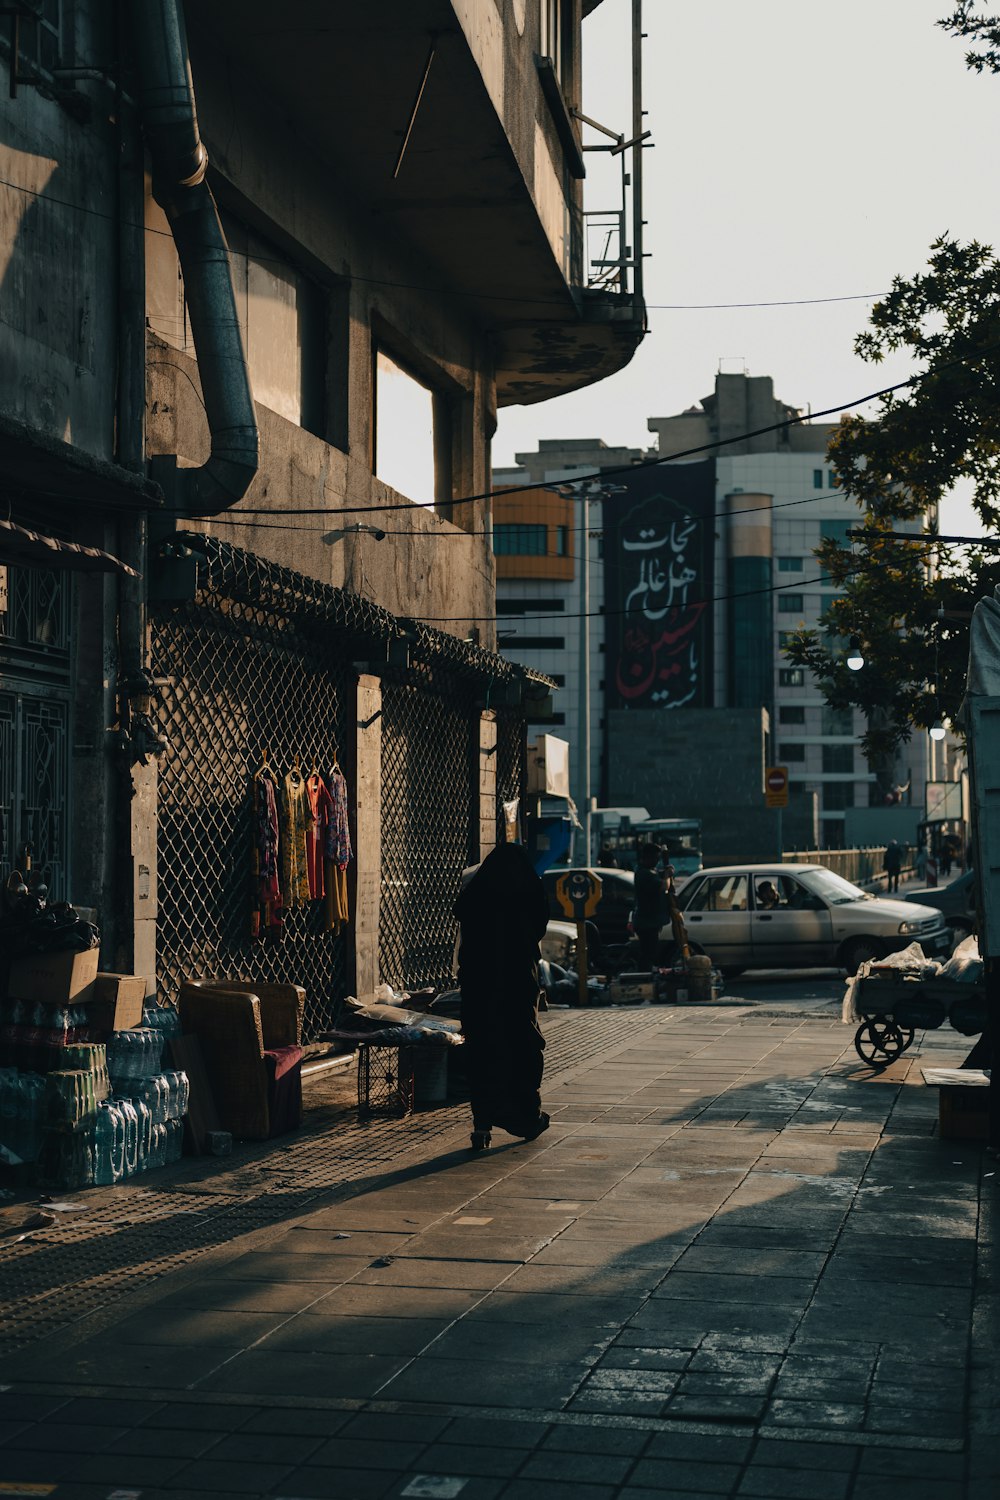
x=855, y=656
x=937, y=731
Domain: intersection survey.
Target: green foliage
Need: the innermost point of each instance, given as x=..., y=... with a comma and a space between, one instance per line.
x=910, y=603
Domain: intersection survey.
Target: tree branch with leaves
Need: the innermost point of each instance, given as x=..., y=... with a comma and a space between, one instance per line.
x=910, y=603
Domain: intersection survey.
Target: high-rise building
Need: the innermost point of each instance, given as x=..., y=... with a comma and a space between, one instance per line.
x=703, y=566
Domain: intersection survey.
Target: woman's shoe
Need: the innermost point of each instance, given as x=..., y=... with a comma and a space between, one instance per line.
x=481, y=1140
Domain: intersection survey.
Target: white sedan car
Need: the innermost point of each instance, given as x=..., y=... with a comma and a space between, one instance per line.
x=798, y=916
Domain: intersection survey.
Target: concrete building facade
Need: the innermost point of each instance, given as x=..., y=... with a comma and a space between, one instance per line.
x=266, y=279
x=747, y=514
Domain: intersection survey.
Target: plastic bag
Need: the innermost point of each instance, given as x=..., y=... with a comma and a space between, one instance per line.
x=965, y=965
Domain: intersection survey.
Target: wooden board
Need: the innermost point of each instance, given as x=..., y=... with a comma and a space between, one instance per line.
x=202, y=1116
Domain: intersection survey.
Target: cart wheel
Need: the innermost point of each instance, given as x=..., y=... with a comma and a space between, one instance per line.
x=906, y=1032
x=880, y=1042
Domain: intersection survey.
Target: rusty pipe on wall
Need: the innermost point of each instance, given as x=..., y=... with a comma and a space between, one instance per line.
x=168, y=111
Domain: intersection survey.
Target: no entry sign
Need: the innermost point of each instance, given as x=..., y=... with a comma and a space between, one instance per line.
x=776, y=786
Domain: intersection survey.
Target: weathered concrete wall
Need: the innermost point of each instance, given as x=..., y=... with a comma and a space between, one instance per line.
x=58, y=295
x=703, y=763
x=428, y=566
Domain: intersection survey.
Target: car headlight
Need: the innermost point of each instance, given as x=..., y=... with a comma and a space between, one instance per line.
x=907, y=927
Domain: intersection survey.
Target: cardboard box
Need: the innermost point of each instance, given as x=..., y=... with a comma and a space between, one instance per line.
x=116, y=1002
x=626, y=991
x=53, y=978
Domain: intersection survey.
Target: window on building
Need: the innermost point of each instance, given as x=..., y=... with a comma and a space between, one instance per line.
x=832, y=833
x=836, y=531
x=562, y=541
x=282, y=317
x=41, y=38
x=838, y=759
x=539, y=643
x=408, y=418
x=791, y=713
x=516, y=540
x=817, y=479
x=788, y=753
x=789, y=564
x=791, y=604
x=785, y=639
x=837, y=795
x=831, y=480
x=837, y=720
x=530, y=606
x=791, y=676
x=553, y=34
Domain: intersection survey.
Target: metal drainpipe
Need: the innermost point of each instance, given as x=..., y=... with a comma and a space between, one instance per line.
x=170, y=124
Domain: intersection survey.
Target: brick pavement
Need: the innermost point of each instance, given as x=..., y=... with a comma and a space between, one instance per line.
x=737, y=1264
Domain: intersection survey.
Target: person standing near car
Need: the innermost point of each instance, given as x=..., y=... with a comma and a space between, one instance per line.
x=649, y=900
x=891, y=863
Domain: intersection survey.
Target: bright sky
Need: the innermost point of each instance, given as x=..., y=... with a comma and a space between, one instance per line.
x=803, y=150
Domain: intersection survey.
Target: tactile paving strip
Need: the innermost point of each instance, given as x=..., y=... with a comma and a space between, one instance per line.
x=133, y=1235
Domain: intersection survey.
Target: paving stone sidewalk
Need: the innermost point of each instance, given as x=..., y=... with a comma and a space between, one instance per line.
x=739, y=1263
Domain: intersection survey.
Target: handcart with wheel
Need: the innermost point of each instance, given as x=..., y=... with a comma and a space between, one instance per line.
x=890, y=1012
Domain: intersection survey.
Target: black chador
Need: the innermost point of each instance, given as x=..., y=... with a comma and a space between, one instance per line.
x=503, y=913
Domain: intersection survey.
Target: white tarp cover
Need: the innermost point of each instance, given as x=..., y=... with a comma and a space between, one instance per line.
x=984, y=649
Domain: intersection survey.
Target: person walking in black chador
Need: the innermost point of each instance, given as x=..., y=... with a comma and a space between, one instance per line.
x=502, y=912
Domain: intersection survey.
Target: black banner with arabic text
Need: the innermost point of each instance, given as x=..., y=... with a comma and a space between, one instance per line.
x=659, y=541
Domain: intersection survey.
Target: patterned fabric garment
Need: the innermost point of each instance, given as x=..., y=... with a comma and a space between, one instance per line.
x=265, y=917
x=320, y=804
x=294, y=824
x=337, y=853
x=338, y=834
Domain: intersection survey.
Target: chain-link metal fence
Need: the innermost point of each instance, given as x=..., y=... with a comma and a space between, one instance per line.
x=510, y=763
x=238, y=680
x=260, y=662
x=430, y=742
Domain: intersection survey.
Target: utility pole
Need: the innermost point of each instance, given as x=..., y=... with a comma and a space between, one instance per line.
x=583, y=721
x=638, y=130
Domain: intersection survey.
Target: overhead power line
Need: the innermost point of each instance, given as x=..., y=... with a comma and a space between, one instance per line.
x=554, y=617
x=599, y=476
x=235, y=518
x=446, y=291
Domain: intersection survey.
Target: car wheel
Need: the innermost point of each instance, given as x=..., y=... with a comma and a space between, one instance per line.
x=859, y=951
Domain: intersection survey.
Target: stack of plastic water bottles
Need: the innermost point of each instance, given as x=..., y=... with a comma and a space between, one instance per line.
x=141, y=1126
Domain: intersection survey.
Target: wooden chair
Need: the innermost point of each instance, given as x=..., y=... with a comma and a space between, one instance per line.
x=251, y=1039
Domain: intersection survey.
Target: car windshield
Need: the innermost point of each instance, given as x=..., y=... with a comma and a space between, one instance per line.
x=833, y=888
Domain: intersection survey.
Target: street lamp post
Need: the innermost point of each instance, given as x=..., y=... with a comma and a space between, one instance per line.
x=583, y=722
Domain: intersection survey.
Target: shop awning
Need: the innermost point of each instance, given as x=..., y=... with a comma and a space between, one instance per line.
x=19, y=545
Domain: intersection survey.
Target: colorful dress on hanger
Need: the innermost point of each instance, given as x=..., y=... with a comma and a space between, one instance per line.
x=320, y=804
x=265, y=916
x=294, y=824
x=337, y=852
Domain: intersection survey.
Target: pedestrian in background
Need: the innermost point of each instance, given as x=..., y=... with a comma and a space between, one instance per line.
x=649, y=905
x=502, y=912
x=891, y=862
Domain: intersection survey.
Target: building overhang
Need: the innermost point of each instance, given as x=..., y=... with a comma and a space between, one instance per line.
x=457, y=205
x=39, y=470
